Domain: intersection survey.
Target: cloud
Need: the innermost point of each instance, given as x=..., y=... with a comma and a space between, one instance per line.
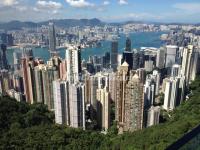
x=48, y=4
x=106, y=3
x=8, y=2
x=133, y=16
x=80, y=3
x=123, y=2
x=189, y=7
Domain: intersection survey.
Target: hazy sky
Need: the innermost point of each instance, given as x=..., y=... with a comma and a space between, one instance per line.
x=106, y=10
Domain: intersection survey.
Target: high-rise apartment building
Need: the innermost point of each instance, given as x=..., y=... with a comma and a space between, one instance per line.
x=171, y=93
x=153, y=116
x=121, y=81
x=77, y=105
x=103, y=108
x=133, y=105
x=61, y=102
x=73, y=58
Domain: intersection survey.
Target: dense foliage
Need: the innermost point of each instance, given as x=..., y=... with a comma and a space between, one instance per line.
x=24, y=126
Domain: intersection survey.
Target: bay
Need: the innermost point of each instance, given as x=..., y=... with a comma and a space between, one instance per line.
x=139, y=39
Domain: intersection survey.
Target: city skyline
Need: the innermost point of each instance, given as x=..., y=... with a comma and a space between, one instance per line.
x=181, y=11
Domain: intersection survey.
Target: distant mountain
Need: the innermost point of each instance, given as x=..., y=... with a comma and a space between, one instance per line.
x=58, y=22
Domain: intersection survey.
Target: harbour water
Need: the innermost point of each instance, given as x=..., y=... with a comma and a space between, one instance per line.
x=139, y=39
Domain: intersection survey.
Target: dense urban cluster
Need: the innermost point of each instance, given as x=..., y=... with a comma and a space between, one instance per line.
x=129, y=90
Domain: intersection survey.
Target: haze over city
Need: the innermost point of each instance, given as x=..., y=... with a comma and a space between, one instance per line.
x=181, y=11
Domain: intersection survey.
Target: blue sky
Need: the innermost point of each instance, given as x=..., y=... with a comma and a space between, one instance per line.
x=187, y=11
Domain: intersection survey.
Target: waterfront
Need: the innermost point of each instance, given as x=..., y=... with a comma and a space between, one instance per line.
x=139, y=39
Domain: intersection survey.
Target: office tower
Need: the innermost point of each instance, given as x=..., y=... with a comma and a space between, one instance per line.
x=133, y=105
x=107, y=60
x=136, y=60
x=128, y=44
x=186, y=62
x=3, y=59
x=103, y=108
x=176, y=70
x=114, y=55
x=171, y=92
x=171, y=55
x=73, y=58
x=77, y=105
x=149, y=92
x=39, y=84
x=121, y=81
x=153, y=116
x=61, y=102
x=49, y=74
x=52, y=38
x=160, y=60
x=141, y=59
x=128, y=57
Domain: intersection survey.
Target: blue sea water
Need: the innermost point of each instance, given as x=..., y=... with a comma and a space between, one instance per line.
x=139, y=39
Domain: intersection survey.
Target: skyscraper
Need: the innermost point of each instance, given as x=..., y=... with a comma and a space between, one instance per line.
x=136, y=59
x=28, y=79
x=128, y=44
x=77, y=105
x=120, y=85
x=171, y=93
x=103, y=108
x=128, y=57
x=114, y=55
x=52, y=38
x=171, y=55
x=186, y=62
x=49, y=74
x=133, y=105
x=39, y=83
x=176, y=70
x=61, y=102
x=153, y=116
x=3, y=59
x=73, y=58
x=149, y=92
x=160, y=60
x=194, y=64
